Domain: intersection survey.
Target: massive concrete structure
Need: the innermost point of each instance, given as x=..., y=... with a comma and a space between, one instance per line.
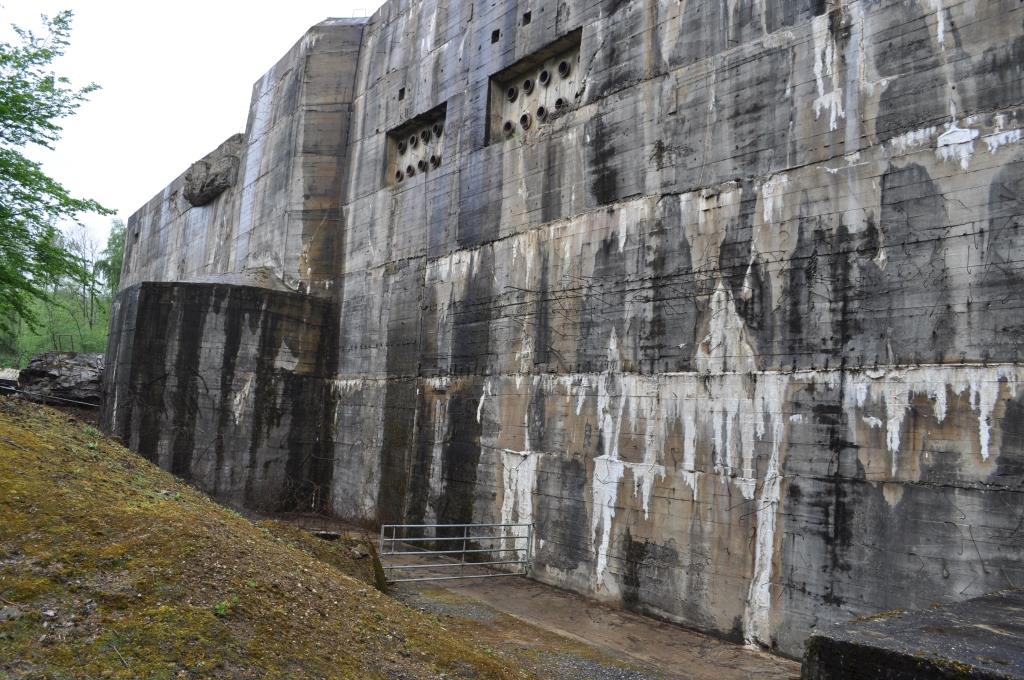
x=724, y=297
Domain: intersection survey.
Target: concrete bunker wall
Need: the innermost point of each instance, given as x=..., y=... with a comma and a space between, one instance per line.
x=224, y=385
x=738, y=331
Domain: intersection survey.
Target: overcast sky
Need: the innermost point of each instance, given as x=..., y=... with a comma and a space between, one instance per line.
x=176, y=80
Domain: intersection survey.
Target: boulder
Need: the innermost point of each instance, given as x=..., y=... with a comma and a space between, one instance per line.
x=210, y=176
x=72, y=376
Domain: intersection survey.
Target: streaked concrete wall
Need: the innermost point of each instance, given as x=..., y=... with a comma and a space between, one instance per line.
x=739, y=332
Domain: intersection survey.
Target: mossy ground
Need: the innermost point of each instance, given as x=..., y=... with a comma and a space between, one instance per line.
x=112, y=568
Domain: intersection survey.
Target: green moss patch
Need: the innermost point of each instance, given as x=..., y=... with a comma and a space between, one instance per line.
x=111, y=567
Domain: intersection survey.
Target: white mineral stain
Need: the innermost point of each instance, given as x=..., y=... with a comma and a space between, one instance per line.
x=616, y=393
x=435, y=484
x=240, y=399
x=771, y=397
x=956, y=144
x=940, y=21
x=484, y=393
x=826, y=73
x=900, y=144
x=725, y=346
x=519, y=471
x=581, y=395
x=687, y=401
x=608, y=473
x=998, y=139
x=286, y=359
x=895, y=389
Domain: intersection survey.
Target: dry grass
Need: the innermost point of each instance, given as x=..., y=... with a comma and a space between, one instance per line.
x=111, y=568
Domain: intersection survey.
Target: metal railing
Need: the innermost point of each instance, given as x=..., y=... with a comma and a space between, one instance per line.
x=443, y=548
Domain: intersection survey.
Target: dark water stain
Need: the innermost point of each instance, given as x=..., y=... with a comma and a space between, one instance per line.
x=309, y=469
x=194, y=307
x=997, y=329
x=703, y=32
x=542, y=315
x=536, y=425
x=786, y=13
x=562, y=520
x=471, y=354
x=603, y=307
x=668, y=341
x=402, y=291
x=648, y=579
x=551, y=192
x=601, y=152
x=742, y=274
x=914, y=286
x=992, y=80
x=423, y=455
x=917, y=91
x=481, y=181
x=148, y=377
x=395, y=460
x=266, y=410
x=233, y=311
x=461, y=457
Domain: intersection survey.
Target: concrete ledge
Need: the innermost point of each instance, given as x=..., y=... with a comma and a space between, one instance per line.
x=979, y=638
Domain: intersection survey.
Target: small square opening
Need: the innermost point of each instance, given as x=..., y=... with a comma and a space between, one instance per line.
x=526, y=18
x=401, y=93
x=495, y=35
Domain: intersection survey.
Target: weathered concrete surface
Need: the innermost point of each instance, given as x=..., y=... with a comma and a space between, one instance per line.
x=276, y=225
x=979, y=638
x=739, y=331
x=223, y=385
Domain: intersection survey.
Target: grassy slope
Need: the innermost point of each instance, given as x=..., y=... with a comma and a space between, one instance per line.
x=119, y=570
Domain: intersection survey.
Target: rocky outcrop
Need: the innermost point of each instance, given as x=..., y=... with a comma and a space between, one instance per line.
x=72, y=376
x=210, y=176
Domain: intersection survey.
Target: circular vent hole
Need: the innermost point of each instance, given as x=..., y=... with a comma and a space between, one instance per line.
x=425, y=136
x=401, y=147
x=435, y=161
x=422, y=165
x=399, y=176
x=525, y=120
x=542, y=113
x=511, y=94
x=509, y=127
x=414, y=142
x=528, y=85
x=438, y=129
x=564, y=68
x=410, y=171
x=560, y=104
x=544, y=78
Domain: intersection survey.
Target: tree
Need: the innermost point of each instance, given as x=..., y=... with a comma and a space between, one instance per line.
x=32, y=99
x=109, y=265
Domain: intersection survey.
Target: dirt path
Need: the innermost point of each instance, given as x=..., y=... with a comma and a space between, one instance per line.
x=594, y=641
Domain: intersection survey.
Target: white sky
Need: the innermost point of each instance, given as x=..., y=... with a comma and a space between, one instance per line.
x=176, y=80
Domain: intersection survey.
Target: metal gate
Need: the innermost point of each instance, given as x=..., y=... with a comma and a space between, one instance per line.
x=444, y=549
